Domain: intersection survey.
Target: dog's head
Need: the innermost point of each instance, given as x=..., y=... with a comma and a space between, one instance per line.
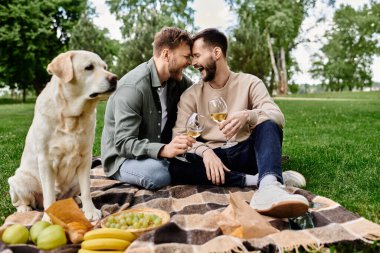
x=84, y=74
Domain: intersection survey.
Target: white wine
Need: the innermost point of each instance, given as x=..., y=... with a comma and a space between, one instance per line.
x=218, y=117
x=193, y=134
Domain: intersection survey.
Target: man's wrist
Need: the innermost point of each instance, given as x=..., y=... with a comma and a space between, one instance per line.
x=205, y=151
x=161, y=153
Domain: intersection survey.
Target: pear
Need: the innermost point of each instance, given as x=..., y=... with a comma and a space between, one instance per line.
x=36, y=229
x=15, y=234
x=51, y=237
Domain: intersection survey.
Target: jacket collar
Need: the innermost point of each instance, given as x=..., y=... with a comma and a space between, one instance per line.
x=153, y=74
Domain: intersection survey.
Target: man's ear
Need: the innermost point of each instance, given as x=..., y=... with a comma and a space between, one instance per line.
x=62, y=67
x=165, y=54
x=217, y=51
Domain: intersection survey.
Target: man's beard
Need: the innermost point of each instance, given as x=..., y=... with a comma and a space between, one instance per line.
x=174, y=71
x=210, y=70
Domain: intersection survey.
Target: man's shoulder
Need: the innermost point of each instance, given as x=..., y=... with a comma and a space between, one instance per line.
x=246, y=77
x=140, y=75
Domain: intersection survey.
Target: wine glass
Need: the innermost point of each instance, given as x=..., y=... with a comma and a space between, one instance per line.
x=218, y=112
x=194, y=127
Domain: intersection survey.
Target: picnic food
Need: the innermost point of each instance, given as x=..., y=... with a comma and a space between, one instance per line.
x=67, y=214
x=15, y=234
x=133, y=220
x=107, y=239
x=51, y=237
x=105, y=244
x=109, y=233
x=36, y=229
x=137, y=220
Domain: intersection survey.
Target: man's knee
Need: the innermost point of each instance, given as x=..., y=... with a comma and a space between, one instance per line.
x=269, y=125
x=267, y=129
x=150, y=173
x=158, y=179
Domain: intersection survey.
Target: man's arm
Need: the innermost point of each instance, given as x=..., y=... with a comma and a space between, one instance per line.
x=128, y=117
x=262, y=108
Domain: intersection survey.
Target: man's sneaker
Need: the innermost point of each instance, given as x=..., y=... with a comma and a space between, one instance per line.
x=293, y=178
x=273, y=200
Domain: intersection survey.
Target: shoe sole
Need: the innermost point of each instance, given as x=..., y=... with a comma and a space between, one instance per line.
x=286, y=209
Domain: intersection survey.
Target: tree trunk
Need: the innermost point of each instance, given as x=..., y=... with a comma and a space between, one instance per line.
x=24, y=95
x=271, y=83
x=272, y=59
x=283, y=83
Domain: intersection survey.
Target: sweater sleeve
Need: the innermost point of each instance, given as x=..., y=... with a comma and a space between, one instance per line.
x=263, y=106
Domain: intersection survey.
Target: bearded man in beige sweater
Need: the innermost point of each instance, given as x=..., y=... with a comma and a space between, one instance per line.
x=254, y=121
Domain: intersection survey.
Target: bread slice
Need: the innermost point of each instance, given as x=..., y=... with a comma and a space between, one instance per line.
x=66, y=213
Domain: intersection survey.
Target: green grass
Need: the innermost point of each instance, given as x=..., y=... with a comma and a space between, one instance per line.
x=334, y=143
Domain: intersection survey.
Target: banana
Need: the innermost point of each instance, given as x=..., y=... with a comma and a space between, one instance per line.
x=105, y=244
x=98, y=251
x=109, y=233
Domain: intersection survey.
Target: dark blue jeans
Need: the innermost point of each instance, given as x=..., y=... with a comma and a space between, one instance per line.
x=260, y=153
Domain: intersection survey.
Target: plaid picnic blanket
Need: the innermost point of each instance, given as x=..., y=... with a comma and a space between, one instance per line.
x=193, y=227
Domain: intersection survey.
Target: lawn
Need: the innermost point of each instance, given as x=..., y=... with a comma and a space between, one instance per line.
x=333, y=141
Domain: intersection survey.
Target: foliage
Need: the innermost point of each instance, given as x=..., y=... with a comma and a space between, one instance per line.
x=274, y=26
x=248, y=50
x=293, y=88
x=31, y=34
x=141, y=20
x=345, y=61
x=87, y=36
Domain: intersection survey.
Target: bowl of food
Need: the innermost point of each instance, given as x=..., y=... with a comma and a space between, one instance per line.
x=136, y=220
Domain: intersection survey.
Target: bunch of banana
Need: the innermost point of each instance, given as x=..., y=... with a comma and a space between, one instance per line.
x=104, y=240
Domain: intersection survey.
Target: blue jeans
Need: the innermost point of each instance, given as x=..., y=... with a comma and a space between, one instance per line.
x=149, y=173
x=260, y=153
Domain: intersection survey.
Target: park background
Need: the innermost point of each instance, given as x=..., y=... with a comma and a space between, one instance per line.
x=332, y=127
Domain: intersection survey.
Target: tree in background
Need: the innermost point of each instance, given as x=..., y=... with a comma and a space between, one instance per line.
x=86, y=35
x=274, y=24
x=248, y=50
x=345, y=61
x=31, y=34
x=141, y=20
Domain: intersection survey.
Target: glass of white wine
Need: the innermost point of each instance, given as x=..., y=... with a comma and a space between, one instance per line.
x=194, y=127
x=218, y=112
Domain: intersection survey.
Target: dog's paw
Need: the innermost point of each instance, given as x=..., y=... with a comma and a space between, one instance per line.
x=46, y=218
x=23, y=209
x=93, y=214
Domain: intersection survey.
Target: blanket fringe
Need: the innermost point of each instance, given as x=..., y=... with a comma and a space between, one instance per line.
x=236, y=249
x=312, y=247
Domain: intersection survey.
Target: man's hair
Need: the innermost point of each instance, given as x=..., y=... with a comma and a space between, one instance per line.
x=213, y=38
x=170, y=37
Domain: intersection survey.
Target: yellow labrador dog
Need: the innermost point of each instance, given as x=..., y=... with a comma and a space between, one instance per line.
x=56, y=160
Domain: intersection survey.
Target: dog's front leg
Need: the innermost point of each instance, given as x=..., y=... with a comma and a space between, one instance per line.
x=47, y=177
x=88, y=207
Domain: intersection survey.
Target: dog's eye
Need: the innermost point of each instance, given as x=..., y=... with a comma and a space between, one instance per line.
x=89, y=67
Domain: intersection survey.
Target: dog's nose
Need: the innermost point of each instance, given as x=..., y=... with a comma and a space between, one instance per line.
x=112, y=80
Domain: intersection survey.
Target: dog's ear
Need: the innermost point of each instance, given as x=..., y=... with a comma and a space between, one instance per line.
x=62, y=67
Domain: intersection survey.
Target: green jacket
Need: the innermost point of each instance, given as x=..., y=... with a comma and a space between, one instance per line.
x=132, y=121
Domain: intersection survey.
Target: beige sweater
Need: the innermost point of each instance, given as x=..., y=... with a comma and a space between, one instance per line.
x=241, y=92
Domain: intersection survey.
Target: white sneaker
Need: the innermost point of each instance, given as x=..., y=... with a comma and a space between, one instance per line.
x=273, y=200
x=293, y=178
